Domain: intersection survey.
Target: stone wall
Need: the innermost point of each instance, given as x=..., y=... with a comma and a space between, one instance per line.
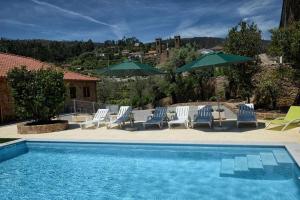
x=221, y=84
x=59, y=125
x=79, y=85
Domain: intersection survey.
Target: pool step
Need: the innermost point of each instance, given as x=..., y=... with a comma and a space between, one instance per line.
x=227, y=167
x=268, y=159
x=254, y=162
x=263, y=164
x=240, y=164
x=282, y=157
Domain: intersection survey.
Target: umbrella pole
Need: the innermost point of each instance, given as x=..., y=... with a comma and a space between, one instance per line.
x=219, y=109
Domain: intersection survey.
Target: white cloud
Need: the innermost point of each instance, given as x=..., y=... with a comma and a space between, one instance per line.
x=264, y=23
x=211, y=30
x=122, y=29
x=15, y=22
x=254, y=6
x=70, y=12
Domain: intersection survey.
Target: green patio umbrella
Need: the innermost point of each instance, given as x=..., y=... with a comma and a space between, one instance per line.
x=130, y=68
x=213, y=59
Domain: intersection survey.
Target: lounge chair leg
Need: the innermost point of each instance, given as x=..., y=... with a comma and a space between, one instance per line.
x=268, y=125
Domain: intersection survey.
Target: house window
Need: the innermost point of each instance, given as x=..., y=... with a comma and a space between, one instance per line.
x=72, y=92
x=86, y=92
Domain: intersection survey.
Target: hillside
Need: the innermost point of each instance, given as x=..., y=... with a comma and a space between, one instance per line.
x=88, y=55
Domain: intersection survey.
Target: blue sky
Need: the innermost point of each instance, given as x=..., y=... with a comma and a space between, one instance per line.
x=102, y=20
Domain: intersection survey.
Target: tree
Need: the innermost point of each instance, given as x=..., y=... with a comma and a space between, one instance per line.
x=286, y=42
x=178, y=57
x=271, y=84
x=38, y=95
x=243, y=39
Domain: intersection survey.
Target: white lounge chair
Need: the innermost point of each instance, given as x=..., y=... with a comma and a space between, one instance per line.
x=100, y=117
x=181, y=117
x=203, y=116
x=246, y=115
x=158, y=117
x=122, y=117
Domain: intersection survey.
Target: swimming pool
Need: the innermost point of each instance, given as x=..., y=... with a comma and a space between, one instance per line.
x=60, y=170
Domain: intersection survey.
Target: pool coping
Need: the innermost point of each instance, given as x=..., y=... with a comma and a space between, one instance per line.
x=292, y=148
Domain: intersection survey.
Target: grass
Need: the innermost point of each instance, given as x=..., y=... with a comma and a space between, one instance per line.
x=2, y=140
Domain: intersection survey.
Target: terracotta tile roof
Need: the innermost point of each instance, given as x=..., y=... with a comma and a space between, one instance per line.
x=10, y=61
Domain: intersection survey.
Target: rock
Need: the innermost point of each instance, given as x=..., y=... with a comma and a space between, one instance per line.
x=166, y=101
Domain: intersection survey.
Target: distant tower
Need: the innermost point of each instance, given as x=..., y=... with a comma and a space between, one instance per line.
x=177, y=41
x=158, y=45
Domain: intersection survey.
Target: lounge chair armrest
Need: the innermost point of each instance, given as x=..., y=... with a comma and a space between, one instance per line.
x=295, y=120
x=149, y=117
x=195, y=116
x=173, y=117
x=88, y=119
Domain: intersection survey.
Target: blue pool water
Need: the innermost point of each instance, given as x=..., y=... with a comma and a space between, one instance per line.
x=43, y=170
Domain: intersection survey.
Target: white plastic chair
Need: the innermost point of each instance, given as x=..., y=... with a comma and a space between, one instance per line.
x=181, y=117
x=100, y=117
x=122, y=117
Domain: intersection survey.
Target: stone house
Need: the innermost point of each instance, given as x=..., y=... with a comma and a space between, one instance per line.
x=79, y=87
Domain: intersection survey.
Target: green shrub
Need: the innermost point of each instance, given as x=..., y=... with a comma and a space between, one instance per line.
x=213, y=98
x=38, y=95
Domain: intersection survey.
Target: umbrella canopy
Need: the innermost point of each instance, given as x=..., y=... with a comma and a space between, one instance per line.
x=213, y=59
x=130, y=68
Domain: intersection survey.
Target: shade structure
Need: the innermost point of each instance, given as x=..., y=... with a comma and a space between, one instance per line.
x=130, y=68
x=213, y=59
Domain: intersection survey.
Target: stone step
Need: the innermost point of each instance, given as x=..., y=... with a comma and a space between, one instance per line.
x=268, y=159
x=282, y=157
x=240, y=164
x=227, y=167
x=254, y=162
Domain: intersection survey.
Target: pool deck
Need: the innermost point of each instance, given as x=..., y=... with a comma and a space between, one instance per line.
x=243, y=136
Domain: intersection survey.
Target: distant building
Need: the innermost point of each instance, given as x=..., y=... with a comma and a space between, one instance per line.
x=158, y=45
x=80, y=87
x=125, y=52
x=136, y=55
x=204, y=51
x=217, y=48
x=177, y=41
